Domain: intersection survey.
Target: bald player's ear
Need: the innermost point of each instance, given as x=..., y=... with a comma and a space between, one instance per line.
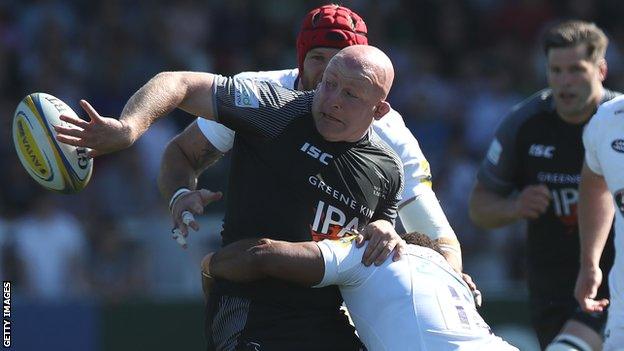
x=381, y=109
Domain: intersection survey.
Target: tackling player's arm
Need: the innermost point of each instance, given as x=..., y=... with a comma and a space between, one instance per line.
x=596, y=213
x=252, y=259
x=423, y=214
x=189, y=91
x=492, y=204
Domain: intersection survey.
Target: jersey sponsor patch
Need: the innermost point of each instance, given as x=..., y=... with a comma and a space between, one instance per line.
x=246, y=93
x=494, y=152
x=618, y=145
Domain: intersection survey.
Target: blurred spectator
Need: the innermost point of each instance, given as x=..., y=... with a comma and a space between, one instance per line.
x=117, y=265
x=51, y=245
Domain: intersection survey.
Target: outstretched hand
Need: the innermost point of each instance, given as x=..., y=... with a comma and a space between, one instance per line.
x=101, y=135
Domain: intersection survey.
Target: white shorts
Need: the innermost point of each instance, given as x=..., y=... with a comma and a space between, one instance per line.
x=614, y=331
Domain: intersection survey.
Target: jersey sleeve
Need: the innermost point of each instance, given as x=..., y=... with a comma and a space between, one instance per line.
x=498, y=170
x=590, y=138
x=217, y=134
x=343, y=262
x=257, y=108
x=221, y=136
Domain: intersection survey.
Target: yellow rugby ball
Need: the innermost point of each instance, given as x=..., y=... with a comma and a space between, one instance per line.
x=56, y=166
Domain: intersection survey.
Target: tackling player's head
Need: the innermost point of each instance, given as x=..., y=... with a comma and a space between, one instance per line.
x=420, y=239
x=575, y=51
x=352, y=93
x=324, y=31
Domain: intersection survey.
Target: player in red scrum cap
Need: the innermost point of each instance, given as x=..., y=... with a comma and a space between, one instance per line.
x=329, y=26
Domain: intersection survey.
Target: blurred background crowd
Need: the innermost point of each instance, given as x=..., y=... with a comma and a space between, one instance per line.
x=461, y=65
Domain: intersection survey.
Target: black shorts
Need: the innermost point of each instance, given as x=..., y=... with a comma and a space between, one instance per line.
x=240, y=324
x=549, y=316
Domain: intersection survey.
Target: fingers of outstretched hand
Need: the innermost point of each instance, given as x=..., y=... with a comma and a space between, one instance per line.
x=208, y=196
x=70, y=140
x=95, y=117
x=75, y=121
x=176, y=234
x=75, y=132
x=189, y=220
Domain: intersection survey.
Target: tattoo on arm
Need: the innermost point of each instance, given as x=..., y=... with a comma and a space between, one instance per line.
x=205, y=157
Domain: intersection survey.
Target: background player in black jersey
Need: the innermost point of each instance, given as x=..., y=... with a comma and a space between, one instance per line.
x=277, y=187
x=538, y=153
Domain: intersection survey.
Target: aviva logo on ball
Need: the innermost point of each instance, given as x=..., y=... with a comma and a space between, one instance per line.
x=29, y=148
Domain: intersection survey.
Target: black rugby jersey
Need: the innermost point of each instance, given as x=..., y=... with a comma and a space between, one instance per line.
x=533, y=145
x=288, y=183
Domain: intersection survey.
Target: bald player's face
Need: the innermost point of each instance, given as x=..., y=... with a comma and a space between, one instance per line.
x=314, y=65
x=344, y=103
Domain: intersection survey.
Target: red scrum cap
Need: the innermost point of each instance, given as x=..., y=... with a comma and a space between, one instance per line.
x=330, y=26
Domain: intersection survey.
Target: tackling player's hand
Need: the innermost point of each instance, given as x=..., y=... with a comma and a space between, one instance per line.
x=189, y=204
x=587, y=283
x=382, y=240
x=532, y=201
x=476, y=294
x=101, y=134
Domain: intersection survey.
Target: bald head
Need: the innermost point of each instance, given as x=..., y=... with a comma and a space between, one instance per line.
x=352, y=93
x=369, y=63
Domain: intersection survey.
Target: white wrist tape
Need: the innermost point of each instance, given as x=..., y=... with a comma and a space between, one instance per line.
x=177, y=195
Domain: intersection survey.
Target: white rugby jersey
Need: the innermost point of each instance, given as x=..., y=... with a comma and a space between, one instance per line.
x=603, y=139
x=390, y=128
x=416, y=303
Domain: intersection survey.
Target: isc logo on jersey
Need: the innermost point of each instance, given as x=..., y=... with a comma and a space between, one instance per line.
x=539, y=150
x=54, y=165
x=316, y=153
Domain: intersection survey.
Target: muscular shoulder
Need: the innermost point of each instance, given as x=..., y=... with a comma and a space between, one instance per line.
x=285, y=78
x=533, y=107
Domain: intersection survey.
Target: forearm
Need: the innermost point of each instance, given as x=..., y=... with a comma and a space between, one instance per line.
x=595, y=217
x=252, y=259
x=236, y=262
x=184, y=160
x=490, y=210
x=162, y=94
x=176, y=172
